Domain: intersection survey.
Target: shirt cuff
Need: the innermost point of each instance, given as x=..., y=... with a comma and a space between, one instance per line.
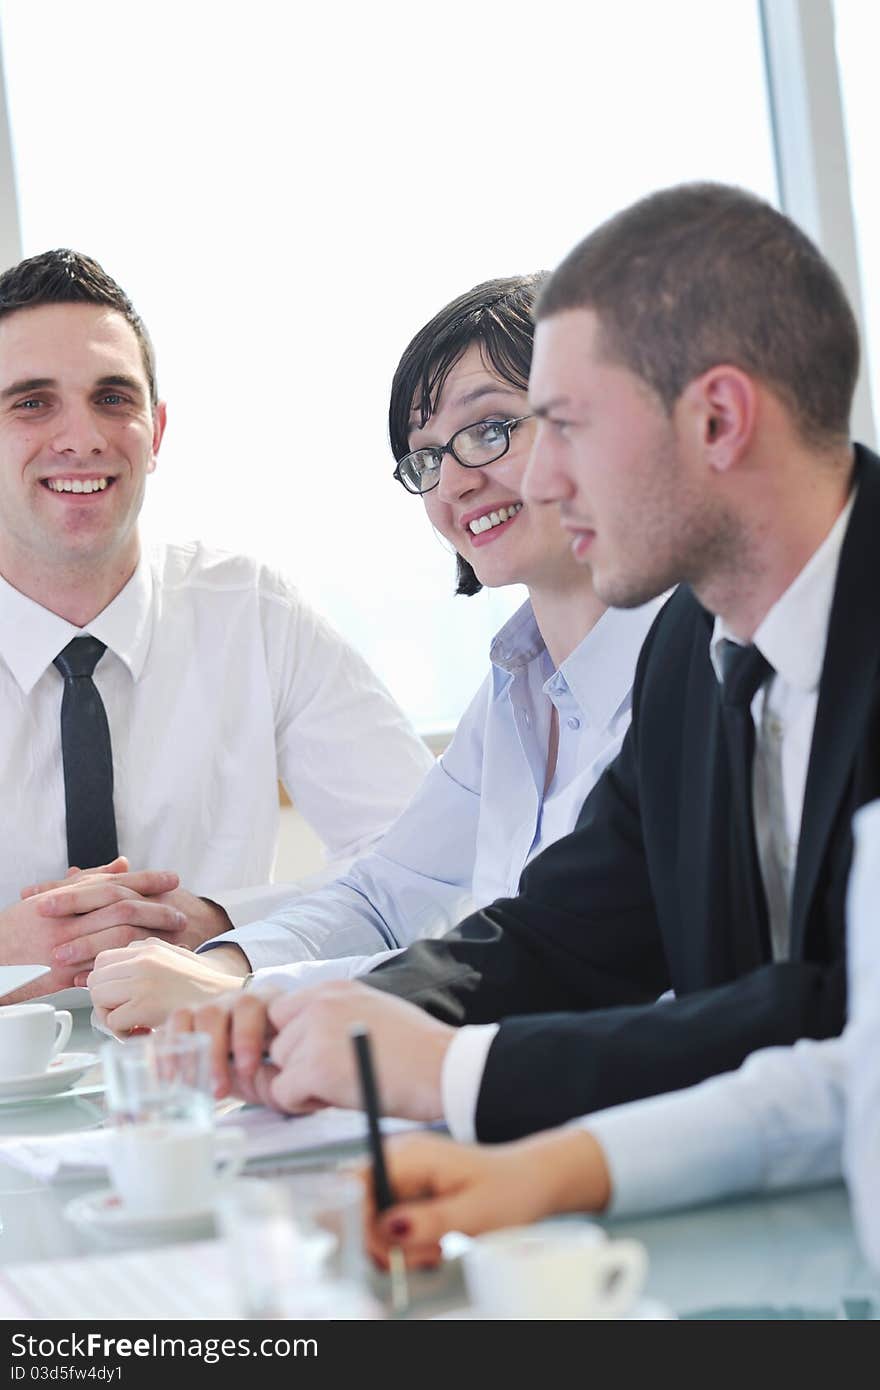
x=303, y=974
x=463, y=1068
x=229, y=938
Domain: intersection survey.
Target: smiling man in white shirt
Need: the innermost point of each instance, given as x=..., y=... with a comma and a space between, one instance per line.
x=208, y=679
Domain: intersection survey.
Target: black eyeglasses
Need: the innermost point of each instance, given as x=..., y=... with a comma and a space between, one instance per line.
x=472, y=447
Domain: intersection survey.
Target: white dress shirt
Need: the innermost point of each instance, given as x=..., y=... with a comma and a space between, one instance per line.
x=862, y=1138
x=776, y=1122
x=217, y=681
x=481, y=814
x=792, y=638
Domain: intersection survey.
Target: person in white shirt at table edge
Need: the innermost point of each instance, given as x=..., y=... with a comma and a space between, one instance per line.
x=542, y=727
x=188, y=681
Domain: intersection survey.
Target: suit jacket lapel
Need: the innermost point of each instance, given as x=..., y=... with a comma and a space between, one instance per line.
x=845, y=689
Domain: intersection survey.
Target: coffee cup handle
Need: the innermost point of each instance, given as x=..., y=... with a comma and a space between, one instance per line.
x=622, y=1271
x=231, y=1155
x=64, y=1025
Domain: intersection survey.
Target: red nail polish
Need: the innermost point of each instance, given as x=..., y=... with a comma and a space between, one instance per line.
x=399, y=1226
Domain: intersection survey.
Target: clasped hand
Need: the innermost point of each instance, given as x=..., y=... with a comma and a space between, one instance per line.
x=65, y=923
x=294, y=1051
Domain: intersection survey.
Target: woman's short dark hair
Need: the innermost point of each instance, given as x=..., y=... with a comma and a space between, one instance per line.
x=498, y=316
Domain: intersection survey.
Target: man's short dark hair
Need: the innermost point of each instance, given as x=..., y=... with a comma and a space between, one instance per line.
x=704, y=274
x=499, y=316
x=69, y=277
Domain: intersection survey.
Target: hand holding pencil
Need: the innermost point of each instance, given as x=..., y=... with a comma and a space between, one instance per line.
x=441, y=1186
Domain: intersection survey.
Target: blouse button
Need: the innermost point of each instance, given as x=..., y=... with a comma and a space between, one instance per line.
x=573, y=722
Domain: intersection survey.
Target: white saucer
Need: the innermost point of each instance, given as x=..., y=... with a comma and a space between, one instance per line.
x=103, y=1213
x=62, y=1072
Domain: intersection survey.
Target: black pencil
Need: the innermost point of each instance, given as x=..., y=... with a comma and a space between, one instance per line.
x=382, y=1189
x=382, y=1192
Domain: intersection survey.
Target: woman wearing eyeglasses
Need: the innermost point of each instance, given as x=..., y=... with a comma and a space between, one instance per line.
x=548, y=718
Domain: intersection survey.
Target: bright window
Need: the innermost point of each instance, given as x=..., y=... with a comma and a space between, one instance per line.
x=288, y=192
x=857, y=35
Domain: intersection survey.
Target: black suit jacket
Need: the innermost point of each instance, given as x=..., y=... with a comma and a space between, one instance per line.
x=637, y=899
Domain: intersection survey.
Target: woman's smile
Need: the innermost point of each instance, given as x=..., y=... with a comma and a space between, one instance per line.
x=488, y=523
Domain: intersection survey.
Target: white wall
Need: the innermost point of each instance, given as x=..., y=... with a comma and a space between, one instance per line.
x=299, y=849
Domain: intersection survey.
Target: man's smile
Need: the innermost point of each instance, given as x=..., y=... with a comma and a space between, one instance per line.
x=78, y=485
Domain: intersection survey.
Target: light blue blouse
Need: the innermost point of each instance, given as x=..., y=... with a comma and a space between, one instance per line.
x=482, y=812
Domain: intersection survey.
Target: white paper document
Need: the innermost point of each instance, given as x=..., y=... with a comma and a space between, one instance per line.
x=270, y=1135
x=76, y=997
x=82, y=1154
x=193, y=1281
x=179, y=1281
x=17, y=976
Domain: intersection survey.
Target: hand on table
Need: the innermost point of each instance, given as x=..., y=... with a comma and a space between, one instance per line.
x=146, y=902
x=68, y=925
x=139, y=985
x=442, y=1186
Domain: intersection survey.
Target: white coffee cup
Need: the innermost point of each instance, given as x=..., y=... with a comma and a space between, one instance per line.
x=168, y=1168
x=553, y=1270
x=30, y=1036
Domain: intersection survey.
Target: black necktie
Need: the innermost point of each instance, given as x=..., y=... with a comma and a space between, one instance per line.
x=744, y=670
x=88, y=759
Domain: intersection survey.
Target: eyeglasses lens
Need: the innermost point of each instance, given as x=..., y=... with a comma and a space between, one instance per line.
x=420, y=471
x=477, y=444
x=481, y=443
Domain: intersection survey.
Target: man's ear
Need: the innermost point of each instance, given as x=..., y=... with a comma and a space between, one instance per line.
x=721, y=407
x=160, y=418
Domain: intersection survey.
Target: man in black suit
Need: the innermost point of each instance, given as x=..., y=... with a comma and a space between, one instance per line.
x=694, y=364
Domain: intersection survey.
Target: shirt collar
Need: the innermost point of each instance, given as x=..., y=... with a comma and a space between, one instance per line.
x=793, y=634
x=599, y=672
x=518, y=642
x=126, y=624
x=31, y=636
